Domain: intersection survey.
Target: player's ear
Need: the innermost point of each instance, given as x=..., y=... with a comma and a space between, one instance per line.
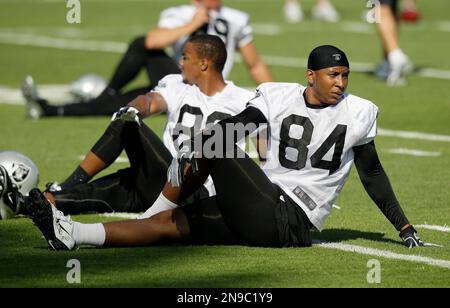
x=204, y=64
x=311, y=77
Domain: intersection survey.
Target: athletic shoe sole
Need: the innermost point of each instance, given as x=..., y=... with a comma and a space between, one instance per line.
x=42, y=214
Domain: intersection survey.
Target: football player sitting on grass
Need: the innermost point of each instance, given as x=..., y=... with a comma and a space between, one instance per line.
x=277, y=206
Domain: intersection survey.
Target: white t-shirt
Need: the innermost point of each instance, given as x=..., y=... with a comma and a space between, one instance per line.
x=189, y=108
x=310, y=150
x=229, y=24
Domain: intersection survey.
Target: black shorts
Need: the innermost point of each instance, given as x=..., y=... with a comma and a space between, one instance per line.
x=207, y=226
x=206, y=223
x=391, y=3
x=294, y=226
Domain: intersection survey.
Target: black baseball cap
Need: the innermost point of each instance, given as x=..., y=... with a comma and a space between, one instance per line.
x=326, y=56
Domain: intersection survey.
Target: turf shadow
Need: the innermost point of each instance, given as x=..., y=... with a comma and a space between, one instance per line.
x=340, y=235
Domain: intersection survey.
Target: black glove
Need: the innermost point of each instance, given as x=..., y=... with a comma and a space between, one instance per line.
x=410, y=237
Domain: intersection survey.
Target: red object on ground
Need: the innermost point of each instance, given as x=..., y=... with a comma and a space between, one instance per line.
x=410, y=15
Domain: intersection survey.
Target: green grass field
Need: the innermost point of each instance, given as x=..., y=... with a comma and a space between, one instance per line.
x=422, y=183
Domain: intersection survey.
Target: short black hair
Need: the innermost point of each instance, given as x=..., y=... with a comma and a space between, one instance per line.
x=212, y=48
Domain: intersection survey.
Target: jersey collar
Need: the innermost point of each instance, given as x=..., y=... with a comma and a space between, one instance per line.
x=311, y=105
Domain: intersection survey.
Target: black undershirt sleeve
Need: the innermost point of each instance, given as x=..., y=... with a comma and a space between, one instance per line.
x=247, y=116
x=250, y=115
x=377, y=185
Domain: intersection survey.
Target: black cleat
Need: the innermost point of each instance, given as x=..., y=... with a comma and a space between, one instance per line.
x=56, y=228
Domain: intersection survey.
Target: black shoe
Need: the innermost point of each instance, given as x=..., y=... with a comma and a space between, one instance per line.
x=56, y=228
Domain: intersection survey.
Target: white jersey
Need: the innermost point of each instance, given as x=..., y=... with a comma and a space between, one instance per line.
x=188, y=109
x=229, y=24
x=310, y=150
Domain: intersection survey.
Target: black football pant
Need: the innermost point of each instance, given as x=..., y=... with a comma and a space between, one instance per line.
x=157, y=65
x=246, y=209
x=129, y=190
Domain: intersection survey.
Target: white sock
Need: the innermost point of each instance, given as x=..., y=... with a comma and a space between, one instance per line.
x=89, y=234
x=161, y=204
x=396, y=55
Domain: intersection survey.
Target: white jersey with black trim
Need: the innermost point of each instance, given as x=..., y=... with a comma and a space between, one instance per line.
x=189, y=110
x=229, y=24
x=310, y=149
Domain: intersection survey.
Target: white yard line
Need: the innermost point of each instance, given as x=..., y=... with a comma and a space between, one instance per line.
x=347, y=247
x=15, y=38
x=362, y=67
x=443, y=26
x=412, y=135
x=61, y=43
x=433, y=227
x=357, y=27
x=349, y=26
x=292, y=62
x=385, y=254
x=434, y=73
x=267, y=29
x=413, y=152
x=54, y=92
